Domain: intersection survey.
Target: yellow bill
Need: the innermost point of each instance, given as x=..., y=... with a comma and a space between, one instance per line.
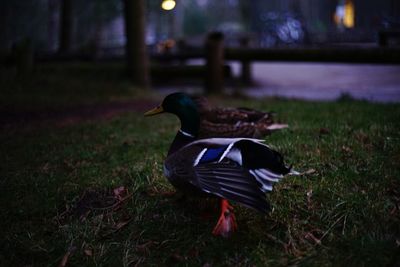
x=154, y=111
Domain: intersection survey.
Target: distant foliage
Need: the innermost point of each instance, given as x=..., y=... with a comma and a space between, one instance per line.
x=20, y=20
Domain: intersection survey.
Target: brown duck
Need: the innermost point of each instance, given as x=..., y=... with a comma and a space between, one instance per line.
x=234, y=122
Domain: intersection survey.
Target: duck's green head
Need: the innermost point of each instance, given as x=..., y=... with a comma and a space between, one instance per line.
x=184, y=108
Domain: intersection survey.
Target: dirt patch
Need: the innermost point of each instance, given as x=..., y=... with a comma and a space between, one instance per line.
x=72, y=115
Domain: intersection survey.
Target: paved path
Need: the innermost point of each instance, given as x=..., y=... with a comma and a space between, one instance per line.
x=315, y=81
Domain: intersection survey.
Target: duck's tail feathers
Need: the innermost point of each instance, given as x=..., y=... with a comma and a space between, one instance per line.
x=294, y=173
x=277, y=126
x=307, y=172
x=266, y=178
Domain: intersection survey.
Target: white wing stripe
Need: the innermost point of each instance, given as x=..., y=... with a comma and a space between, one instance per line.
x=226, y=152
x=235, y=155
x=265, y=177
x=198, y=158
x=225, y=141
x=185, y=133
x=266, y=186
x=270, y=174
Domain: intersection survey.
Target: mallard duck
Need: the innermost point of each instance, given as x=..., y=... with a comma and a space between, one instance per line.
x=234, y=122
x=232, y=169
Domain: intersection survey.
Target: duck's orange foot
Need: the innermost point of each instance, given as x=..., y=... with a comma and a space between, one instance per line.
x=227, y=221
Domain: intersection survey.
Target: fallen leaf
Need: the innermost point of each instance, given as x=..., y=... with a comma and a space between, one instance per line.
x=66, y=256
x=324, y=131
x=362, y=137
x=313, y=238
x=176, y=257
x=310, y=171
x=119, y=192
x=309, y=195
x=88, y=252
x=144, y=248
x=46, y=167
x=83, y=217
x=346, y=149
x=193, y=253
x=393, y=211
x=121, y=224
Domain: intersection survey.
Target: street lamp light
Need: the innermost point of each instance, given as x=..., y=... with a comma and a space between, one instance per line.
x=168, y=4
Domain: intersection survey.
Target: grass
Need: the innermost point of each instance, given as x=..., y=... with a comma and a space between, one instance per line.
x=344, y=211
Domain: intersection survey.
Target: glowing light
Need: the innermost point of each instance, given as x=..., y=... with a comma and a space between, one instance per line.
x=348, y=19
x=344, y=15
x=168, y=4
x=339, y=14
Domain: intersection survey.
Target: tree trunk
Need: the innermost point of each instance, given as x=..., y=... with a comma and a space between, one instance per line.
x=52, y=25
x=246, y=65
x=66, y=26
x=394, y=8
x=135, y=49
x=23, y=53
x=214, y=76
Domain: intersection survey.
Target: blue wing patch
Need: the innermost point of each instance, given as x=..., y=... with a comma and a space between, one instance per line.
x=213, y=154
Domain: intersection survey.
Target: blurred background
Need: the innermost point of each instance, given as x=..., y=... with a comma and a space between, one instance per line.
x=100, y=24
x=287, y=48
